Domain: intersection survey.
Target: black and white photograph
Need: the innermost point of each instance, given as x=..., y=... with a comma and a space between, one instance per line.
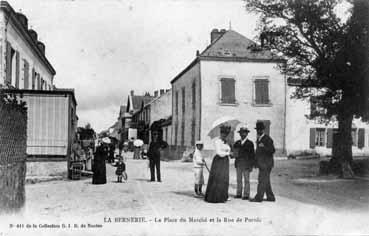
x=184, y=117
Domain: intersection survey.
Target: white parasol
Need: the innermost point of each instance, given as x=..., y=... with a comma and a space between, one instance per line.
x=138, y=143
x=225, y=120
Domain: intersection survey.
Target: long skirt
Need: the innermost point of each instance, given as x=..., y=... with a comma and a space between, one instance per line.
x=218, y=183
x=99, y=172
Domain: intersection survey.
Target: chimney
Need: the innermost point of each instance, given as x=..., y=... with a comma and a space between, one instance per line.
x=162, y=91
x=33, y=34
x=23, y=19
x=215, y=34
x=41, y=46
x=132, y=92
x=156, y=93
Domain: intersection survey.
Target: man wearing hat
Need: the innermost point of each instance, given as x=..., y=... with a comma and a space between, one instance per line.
x=245, y=160
x=264, y=160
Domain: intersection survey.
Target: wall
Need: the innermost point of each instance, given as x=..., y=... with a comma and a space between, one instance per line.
x=19, y=44
x=161, y=107
x=244, y=110
x=298, y=129
x=13, y=125
x=186, y=81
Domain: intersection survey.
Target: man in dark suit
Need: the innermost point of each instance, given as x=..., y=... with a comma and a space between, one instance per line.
x=153, y=154
x=245, y=160
x=264, y=160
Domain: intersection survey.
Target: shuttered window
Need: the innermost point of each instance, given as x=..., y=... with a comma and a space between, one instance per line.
x=8, y=66
x=194, y=96
x=354, y=137
x=176, y=99
x=33, y=78
x=228, y=90
x=183, y=116
x=329, y=138
x=361, y=138
x=17, y=69
x=26, y=74
x=261, y=91
x=312, y=137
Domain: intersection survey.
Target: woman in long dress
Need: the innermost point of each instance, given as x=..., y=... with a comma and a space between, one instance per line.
x=218, y=182
x=99, y=166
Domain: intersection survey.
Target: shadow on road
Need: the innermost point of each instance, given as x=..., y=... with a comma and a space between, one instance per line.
x=187, y=194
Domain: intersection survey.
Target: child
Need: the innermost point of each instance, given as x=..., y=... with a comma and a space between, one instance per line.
x=121, y=170
x=198, y=164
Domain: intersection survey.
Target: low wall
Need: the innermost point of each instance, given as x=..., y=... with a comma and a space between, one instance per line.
x=46, y=168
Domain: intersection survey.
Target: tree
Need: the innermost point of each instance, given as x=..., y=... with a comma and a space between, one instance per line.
x=327, y=54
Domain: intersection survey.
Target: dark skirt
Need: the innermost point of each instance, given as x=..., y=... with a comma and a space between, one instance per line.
x=218, y=183
x=99, y=172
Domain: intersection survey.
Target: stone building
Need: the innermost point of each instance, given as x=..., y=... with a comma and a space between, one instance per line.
x=23, y=64
x=233, y=76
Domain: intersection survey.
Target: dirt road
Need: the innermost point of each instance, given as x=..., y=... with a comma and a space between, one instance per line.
x=139, y=207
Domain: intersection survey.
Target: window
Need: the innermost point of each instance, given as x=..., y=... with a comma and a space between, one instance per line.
x=183, y=116
x=315, y=109
x=193, y=127
x=320, y=137
x=227, y=91
x=261, y=91
x=194, y=96
x=176, y=134
x=26, y=73
x=176, y=100
x=183, y=101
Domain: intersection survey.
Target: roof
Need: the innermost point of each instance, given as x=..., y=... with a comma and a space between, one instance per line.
x=233, y=46
x=5, y=6
x=122, y=110
x=139, y=101
x=64, y=91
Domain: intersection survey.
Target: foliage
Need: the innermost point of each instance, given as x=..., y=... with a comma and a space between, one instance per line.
x=329, y=54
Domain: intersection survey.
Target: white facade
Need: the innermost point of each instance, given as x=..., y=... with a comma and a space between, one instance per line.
x=245, y=109
x=299, y=138
x=22, y=54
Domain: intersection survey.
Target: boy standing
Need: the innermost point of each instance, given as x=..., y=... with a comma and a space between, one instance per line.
x=198, y=164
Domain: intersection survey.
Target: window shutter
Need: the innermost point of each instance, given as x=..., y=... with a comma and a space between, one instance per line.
x=194, y=96
x=8, y=66
x=261, y=91
x=33, y=79
x=26, y=75
x=38, y=82
x=17, y=69
x=361, y=138
x=329, y=138
x=312, y=137
x=228, y=90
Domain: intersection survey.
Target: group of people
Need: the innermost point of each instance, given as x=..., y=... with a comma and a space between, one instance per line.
x=246, y=159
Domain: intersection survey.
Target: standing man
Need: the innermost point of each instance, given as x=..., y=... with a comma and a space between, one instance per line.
x=245, y=160
x=154, y=154
x=264, y=159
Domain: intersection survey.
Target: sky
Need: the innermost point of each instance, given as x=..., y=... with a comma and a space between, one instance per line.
x=105, y=48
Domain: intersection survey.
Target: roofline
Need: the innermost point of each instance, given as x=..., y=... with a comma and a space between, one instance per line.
x=194, y=62
x=63, y=91
x=156, y=98
x=242, y=59
x=4, y=5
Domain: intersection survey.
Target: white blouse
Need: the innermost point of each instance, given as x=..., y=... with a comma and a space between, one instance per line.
x=221, y=149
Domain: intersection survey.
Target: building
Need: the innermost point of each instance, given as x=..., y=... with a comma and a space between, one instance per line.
x=23, y=61
x=233, y=76
x=132, y=122
x=304, y=135
x=160, y=113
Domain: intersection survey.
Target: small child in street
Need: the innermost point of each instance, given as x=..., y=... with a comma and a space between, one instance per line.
x=121, y=170
x=198, y=164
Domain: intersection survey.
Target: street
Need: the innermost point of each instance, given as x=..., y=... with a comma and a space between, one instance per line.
x=301, y=206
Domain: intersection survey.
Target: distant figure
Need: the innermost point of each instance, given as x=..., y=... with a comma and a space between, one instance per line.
x=198, y=164
x=121, y=170
x=99, y=166
x=264, y=159
x=154, y=154
x=218, y=182
x=245, y=161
